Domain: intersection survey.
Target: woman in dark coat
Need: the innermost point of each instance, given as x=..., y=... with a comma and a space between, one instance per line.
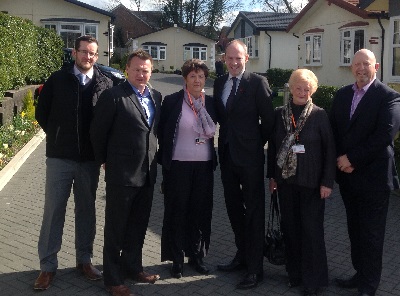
x=301, y=166
x=187, y=155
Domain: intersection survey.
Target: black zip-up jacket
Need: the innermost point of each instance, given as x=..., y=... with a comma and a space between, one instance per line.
x=59, y=113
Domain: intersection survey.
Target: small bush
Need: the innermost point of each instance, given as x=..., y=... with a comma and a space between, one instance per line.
x=324, y=95
x=278, y=77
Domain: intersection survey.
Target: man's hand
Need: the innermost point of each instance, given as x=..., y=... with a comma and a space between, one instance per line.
x=325, y=191
x=344, y=164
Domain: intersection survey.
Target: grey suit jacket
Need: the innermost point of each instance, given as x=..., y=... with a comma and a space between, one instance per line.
x=122, y=138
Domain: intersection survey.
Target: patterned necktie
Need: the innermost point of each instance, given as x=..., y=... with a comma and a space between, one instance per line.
x=81, y=78
x=232, y=94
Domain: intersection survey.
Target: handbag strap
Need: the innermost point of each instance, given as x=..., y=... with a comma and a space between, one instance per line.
x=276, y=209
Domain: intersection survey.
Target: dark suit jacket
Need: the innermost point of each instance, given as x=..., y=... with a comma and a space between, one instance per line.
x=249, y=123
x=170, y=111
x=367, y=138
x=122, y=139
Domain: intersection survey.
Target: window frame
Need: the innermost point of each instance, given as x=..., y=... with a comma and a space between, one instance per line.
x=189, y=52
x=351, y=40
x=252, y=45
x=393, y=46
x=158, y=49
x=313, y=37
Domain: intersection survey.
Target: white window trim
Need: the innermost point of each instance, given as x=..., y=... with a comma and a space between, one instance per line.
x=312, y=36
x=188, y=50
x=352, y=37
x=392, y=78
x=252, y=46
x=160, y=48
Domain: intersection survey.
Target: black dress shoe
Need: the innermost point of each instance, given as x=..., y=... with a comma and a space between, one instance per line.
x=292, y=283
x=235, y=264
x=198, y=265
x=177, y=270
x=251, y=280
x=350, y=283
x=310, y=292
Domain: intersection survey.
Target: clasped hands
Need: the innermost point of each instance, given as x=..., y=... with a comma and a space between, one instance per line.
x=344, y=164
x=324, y=191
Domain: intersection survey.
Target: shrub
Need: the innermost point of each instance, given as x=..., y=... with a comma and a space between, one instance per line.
x=324, y=95
x=278, y=77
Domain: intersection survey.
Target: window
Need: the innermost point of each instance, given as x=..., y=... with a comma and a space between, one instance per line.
x=351, y=40
x=70, y=31
x=252, y=45
x=157, y=52
x=313, y=50
x=396, y=48
x=194, y=52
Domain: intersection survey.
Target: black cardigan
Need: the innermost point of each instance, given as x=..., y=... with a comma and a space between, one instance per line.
x=317, y=165
x=170, y=110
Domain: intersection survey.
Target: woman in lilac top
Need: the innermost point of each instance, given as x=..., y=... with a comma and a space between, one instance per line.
x=187, y=155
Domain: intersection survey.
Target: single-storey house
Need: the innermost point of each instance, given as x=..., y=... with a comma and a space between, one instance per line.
x=70, y=18
x=331, y=31
x=268, y=43
x=171, y=47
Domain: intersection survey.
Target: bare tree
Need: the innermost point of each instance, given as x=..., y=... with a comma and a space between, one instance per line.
x=290, y=6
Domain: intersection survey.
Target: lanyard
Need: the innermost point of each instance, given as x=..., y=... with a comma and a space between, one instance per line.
x=294, y=125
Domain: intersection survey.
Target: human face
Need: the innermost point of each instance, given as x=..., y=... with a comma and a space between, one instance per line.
x=85, y=56
x=139, y=72
x=195, y=82
x=364, y=67
x=235, y=59
x=301, y=92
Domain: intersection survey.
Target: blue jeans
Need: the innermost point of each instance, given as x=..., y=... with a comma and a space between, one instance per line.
x=61, y=176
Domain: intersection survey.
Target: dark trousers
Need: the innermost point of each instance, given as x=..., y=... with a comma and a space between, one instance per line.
x=302, y=213
x=366, y=222
x=127, y=216
x=245, y=203
x=188, y=210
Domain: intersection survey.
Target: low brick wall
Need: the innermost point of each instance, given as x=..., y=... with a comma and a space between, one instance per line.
x=13, y=102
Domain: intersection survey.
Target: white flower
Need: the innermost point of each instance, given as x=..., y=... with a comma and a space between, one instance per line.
x=1, y=155
x=22, y=133
x=5, y=146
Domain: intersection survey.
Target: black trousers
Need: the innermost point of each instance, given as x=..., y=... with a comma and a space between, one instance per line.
x=188, y=207
x=245, y=203
x=366, y=222
x=302, y=214
x=127, y=216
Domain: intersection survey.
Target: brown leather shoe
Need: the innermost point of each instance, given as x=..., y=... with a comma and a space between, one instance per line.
x=144, y=277
x=89, y=271
x=43, y=281
x=120, y=290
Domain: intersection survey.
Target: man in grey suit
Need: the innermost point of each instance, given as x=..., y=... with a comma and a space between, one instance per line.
x=123, y=134
x=365, y=119
x=246, y=117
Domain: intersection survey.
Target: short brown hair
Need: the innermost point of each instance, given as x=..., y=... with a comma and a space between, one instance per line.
x=141, y=54
x=194, y=65
x=241, y=43
x=87, y=38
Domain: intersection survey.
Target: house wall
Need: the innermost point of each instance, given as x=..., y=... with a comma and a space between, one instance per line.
x=175, y=38
x=330, y=18
x=35, y=10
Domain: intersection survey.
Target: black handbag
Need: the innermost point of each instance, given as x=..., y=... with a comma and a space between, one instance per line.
x=274, y=246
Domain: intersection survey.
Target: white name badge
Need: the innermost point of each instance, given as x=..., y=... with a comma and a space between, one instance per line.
x=298, y=148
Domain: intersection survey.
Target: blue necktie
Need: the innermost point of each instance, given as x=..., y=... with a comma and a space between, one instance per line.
x=81, y=78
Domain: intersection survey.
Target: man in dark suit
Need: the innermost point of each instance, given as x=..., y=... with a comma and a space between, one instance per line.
x=365, y=119
x=123, y=133
x=246, y=116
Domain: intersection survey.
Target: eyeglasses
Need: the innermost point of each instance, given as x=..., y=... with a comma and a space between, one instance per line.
x=85, y=52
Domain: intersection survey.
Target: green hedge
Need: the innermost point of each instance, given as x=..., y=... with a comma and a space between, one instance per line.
x=324, y=95
x=278, y=77
x=28, y=54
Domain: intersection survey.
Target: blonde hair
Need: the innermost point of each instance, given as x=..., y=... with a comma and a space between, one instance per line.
x=304, y=75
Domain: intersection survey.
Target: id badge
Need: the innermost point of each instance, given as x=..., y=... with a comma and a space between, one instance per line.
x=298, y=148
x=200, y=141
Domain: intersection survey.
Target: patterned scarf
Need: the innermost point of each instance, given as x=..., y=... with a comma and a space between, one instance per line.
x=286, y=159
x=204, y=124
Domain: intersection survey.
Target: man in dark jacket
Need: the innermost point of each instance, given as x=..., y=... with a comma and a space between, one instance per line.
x=64, y=112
